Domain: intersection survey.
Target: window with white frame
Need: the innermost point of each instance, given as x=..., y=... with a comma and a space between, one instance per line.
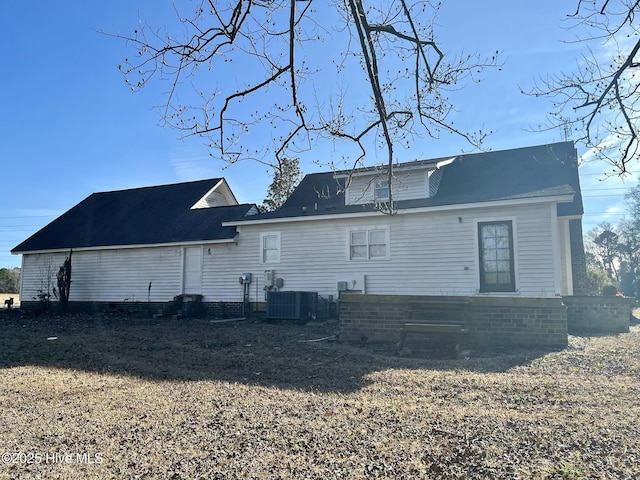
x=270, y=247
x=381, y=190
x=369, y=243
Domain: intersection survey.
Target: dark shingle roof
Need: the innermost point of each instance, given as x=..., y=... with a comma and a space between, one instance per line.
x=141, y=216
x=509, y=174
x=530, y=172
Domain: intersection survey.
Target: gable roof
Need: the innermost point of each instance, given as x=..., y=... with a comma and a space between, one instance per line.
x=141, y=216
x=529, y=172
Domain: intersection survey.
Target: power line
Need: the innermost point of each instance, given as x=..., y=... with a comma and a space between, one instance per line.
x=30, y=216
x=604, y=189
x=606, y=174
x=603, y=213
x=17, y=226
x=601, y=195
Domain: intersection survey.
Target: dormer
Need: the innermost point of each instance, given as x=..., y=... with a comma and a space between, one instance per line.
x=411, y=181
x=219, y=196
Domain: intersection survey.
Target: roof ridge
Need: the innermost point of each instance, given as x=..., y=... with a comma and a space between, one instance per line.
x=434, y=160
x=150, y=187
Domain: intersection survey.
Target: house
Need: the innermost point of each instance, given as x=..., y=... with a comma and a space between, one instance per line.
x=498, y=223
x=491, y=240
x=487, y=226
x=139, y=245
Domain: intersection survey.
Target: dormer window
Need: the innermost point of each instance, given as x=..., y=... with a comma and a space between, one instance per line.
x=381, y=190
x=411, y=181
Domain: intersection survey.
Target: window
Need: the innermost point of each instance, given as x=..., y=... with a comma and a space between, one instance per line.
x=495, y=243
x=270, y=247
x=369, y=244
x=381, y=190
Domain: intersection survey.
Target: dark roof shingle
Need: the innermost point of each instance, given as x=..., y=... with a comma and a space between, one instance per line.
x=141, y=216
x=529, y=172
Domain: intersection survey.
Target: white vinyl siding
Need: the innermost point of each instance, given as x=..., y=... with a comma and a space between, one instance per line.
x=38, y=273
x=214, y=199
x=429, y=254
x=534, y=252
x=118, y=275
x=564, y=243
x=405, y=186
x=360, y=191
x=218, y=196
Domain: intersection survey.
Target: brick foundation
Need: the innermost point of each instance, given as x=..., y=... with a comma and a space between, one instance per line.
x=598, y=315
x=491, y=321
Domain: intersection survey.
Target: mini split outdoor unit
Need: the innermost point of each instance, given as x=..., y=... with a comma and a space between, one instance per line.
x=299, y=306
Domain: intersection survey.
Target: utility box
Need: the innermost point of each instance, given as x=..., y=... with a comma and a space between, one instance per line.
x=299, y=306
x=269, y=278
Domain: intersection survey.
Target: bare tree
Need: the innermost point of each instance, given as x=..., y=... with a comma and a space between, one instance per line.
x=608, y=247
x=64, y=283
x=629, y=229
x=290, y=73
x=47, y=287
x=599, y=100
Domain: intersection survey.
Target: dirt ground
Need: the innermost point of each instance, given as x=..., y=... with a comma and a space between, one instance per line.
x=127, y=397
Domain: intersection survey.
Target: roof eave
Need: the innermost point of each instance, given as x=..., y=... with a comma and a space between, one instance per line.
x=435, y=208
x=126, y=247
x=431, y=164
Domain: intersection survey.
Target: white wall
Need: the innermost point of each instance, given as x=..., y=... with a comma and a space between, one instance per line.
x=430, y=254
x=565, y=257
x=39, y=274
x=406, y=186
x=110, y=275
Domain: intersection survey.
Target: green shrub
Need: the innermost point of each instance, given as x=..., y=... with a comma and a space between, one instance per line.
x=596, y=279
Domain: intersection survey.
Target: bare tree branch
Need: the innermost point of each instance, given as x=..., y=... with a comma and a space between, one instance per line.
x=599, y=100
x=273, y=50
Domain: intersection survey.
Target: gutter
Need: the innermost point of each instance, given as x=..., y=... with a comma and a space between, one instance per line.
x=406, y=211
x=128, y=247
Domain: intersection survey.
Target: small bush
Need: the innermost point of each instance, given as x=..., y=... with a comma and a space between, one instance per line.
x=609, y=291
x=596, y=279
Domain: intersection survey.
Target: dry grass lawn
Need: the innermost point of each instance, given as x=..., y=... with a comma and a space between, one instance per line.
x=115, y=397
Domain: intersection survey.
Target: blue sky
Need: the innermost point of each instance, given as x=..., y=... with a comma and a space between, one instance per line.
x=69, y=125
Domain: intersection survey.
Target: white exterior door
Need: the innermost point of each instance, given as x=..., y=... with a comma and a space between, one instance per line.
x=192, y=270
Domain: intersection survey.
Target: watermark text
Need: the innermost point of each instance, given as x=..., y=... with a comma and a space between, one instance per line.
x=62, y=458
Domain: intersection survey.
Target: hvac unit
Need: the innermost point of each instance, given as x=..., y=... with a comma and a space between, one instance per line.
x=299, y=306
